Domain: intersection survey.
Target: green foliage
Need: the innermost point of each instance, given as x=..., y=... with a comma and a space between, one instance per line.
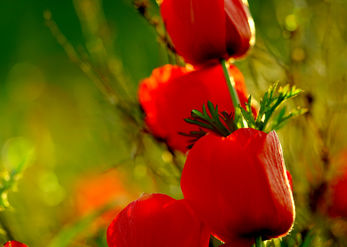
x=269, y=116
x=221, y=123
x=209, y=120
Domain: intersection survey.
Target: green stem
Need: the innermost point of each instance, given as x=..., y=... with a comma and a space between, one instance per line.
x=259, y=242
x=230, y=85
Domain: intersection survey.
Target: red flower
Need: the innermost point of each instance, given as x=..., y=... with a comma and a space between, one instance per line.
x=239, y=186
x=14, y=244
x=202, y=30
x=157, y=220
x=169, y=95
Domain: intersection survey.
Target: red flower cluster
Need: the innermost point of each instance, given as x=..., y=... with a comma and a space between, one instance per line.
x=236, y=187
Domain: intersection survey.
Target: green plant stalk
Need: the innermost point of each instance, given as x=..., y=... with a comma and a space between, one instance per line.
x=232, y=91
x=259, y=242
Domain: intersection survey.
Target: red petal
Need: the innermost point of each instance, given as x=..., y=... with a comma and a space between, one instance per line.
x=290, y=179
x=196, y=28
x=239, y=26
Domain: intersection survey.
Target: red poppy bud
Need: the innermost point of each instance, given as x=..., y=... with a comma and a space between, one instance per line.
x=238, y=184
x=203, y=30
x=14, y=244
x=157, y=220
x=172, y=92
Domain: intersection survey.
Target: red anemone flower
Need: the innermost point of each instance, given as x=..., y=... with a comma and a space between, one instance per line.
x=157, y=220
x=204, y=30
x=14, y=244
x=239, y=186
x=172, y=92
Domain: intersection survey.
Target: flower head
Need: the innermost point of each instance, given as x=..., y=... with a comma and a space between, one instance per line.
x=239, y=186
x=172, y=92
x=205, y=30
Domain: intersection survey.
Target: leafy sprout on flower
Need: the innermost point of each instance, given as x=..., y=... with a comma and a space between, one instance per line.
x=269, y=116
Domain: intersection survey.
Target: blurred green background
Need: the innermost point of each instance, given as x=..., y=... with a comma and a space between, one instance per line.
x=52, y=107
x=57, y=127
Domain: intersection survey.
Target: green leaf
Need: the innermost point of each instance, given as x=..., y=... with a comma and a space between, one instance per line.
x=270, y=103
x=268, y=118
x=247, y=114
x=282, y=118
x=209, y=118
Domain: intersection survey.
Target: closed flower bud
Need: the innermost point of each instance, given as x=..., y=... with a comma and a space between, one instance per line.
x=204, y=30
x=172, y=92
x=157, y=220
x=238, y=184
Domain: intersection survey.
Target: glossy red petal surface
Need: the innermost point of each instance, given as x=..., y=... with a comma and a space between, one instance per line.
x=238, y=184
x=196, y=28
x=14, y=244
x=151, y=96
x=169, y=95
x=205, y=30
x=157, y=220
x=240, y=32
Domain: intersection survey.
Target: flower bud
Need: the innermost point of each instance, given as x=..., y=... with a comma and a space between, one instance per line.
x=204, y=30
x=238, y=184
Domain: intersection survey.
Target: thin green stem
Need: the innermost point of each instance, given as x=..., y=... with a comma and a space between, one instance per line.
x=230, y=85
x=259, y=242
